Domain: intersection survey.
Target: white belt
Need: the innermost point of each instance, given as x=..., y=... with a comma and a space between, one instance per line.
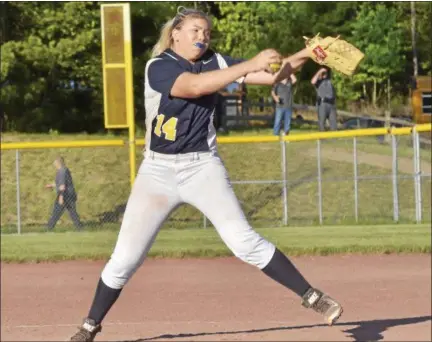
x=192, y=156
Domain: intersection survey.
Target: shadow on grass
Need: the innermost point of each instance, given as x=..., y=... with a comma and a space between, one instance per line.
x=364, y=331
x=298, y=123
x=272, y=192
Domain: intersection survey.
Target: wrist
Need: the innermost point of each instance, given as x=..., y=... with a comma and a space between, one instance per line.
x=249, y=67
x=302, y=54
x=305, y=53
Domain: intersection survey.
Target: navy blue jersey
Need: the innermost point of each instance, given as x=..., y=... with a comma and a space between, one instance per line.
x=176, y=125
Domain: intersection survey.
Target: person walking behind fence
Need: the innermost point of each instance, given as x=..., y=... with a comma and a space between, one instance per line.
x=66, y=196
x=326, y=99
x=283, y=96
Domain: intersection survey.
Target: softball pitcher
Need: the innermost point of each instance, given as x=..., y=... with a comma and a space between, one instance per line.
x=181, y=163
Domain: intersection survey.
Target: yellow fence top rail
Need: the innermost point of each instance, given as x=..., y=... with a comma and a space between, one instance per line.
x=225, y=140
x=60, y=144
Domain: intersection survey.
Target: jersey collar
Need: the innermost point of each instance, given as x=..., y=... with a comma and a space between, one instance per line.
x=170, y=53
x=182, y=61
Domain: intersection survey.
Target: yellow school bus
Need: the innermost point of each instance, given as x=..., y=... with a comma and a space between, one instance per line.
x=422, y=99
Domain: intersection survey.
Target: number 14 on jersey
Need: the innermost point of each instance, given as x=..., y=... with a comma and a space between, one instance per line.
x=168, y=128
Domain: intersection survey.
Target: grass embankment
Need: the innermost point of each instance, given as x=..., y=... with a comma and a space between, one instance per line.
x=206, y=243
x=101, y=177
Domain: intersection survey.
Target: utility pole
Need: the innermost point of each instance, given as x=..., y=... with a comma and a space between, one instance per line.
x=413, y=38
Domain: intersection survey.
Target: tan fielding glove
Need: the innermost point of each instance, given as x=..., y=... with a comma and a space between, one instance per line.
x=335, y=53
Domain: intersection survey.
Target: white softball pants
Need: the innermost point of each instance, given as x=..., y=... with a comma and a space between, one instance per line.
x=163, y=183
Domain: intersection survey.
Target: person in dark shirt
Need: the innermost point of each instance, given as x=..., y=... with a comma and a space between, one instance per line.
x=282, y=94
x=326, y=99
x=66, y=196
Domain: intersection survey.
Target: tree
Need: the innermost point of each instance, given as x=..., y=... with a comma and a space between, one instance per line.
x=377, y=32
x=52, y=60
x=51, y=72
x=244, y=29
x=48, y=61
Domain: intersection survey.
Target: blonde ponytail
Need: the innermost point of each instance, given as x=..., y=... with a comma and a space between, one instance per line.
x=165, y=39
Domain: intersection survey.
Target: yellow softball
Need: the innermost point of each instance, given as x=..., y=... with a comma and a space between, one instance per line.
x=275, y=67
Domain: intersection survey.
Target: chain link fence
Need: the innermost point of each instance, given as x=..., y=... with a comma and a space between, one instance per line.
x=101, y=181
x=330, y=181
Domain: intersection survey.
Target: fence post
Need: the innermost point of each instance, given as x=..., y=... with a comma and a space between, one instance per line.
x=284, y=176
x=205, y=221
x=355, y=178
x=17, y=171
x=395, y=179
x=417, y=175
x=320, y=215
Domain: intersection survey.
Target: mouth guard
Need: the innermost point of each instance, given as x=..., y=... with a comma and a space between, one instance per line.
x=199, y=45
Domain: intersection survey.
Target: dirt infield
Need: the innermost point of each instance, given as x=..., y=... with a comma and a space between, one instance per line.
x=385, y=298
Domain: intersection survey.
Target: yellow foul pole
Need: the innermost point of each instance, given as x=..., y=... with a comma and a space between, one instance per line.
x=118, y=73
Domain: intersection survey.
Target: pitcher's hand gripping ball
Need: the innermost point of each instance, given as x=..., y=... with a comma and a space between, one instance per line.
x=275, y=67
x=335, y=53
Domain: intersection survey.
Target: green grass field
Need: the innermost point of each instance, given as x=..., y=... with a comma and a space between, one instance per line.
x=101, y=179
x=206, y=243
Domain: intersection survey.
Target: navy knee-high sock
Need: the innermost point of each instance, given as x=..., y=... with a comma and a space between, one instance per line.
x=282, y=270
x=103, y=300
